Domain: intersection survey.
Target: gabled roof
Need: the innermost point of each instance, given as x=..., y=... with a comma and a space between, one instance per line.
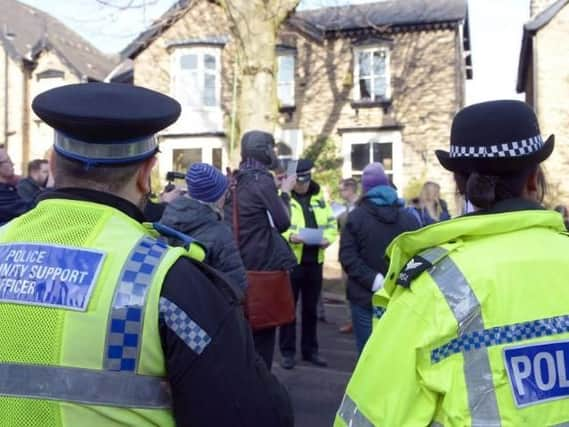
x=317, y=23
x=530, y=28
x=170, y=17
x=26, y=32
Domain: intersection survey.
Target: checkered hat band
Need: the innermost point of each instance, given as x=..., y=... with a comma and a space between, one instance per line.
x=124, y=331
x=185, y=328
x=502, y=335
x=521, y=148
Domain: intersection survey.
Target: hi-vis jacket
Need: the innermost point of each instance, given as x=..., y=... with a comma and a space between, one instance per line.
x=324, y=219
x=476, y=331
x=79, y=305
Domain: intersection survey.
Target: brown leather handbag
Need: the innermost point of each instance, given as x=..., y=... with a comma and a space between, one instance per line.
x=268, y=300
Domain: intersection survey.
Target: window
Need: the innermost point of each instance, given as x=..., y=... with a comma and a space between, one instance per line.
x=196, y=78
x=370, y=152
x=285, y=87
x=371, y=74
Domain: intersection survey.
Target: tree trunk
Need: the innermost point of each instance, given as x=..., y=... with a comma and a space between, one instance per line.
x=255, y=25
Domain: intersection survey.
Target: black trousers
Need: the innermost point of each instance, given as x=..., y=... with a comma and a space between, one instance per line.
x=265, y=344
x=306, y=279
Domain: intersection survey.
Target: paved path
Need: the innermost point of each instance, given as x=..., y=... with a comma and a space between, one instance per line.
x=317, y=392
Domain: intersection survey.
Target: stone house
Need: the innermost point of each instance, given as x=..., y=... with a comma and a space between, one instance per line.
x=37, y=52
x=381, y=80
x=543, y=74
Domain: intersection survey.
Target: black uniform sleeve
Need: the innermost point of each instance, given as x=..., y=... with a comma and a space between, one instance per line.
x=227, y=384
x=276, y=205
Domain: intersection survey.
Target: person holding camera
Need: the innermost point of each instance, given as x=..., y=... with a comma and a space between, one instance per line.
x=199, y=214
x=261, y=215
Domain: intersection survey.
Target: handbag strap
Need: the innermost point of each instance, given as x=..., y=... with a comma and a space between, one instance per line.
x=235, y=205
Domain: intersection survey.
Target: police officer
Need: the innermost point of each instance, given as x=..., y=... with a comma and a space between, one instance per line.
x=109, y=325
x=309, y=211
x=476, y=328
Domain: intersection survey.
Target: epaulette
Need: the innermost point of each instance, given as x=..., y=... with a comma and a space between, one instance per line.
x=196, y=249
x=420, y=263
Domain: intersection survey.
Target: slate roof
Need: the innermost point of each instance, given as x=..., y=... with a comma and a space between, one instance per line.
x=25, y=32
x=530, y=28
x=391, y=12
x=320, y=21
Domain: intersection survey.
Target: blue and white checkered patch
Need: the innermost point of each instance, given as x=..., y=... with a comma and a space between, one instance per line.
x=521, y=148
x=502, y=335
x=127, y=313
x=185, y=328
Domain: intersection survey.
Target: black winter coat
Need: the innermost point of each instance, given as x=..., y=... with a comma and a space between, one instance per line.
x=261, y=245
x=28, y=189
x=11, y=204
x=205, y=225
x=367, y=234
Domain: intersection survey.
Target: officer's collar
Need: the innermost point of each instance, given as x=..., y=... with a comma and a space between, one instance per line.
x=94, y=196
x=510, y=205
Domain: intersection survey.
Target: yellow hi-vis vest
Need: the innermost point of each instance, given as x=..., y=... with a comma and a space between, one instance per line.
x=79, y=311
x=325, y=220
x=476, y=331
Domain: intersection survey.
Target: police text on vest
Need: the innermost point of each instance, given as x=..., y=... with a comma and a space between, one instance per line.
x=538, y=372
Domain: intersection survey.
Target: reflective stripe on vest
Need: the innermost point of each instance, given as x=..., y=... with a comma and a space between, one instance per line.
x=502, y=335
x=124, y=330
x=351, y=415
x=87, y=386
x=466, y=309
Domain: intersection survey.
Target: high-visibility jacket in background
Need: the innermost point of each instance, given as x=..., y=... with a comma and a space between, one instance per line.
x=325, y=221
x=476, y=331
x=80, y=290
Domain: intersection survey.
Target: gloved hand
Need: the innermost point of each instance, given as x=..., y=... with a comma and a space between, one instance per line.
x=378, y=282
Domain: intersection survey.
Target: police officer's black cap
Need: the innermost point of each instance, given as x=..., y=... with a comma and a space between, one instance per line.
x=104, y=123
x=495, y=138
x=303, y=170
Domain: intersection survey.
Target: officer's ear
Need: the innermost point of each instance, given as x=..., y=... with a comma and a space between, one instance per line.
x=143, y=176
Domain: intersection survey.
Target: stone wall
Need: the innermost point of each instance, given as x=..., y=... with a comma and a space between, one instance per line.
x=552, y=99
x=16, y=101
x=426, y=94
x=41, y=135
x=20, y=115
x=426, y=77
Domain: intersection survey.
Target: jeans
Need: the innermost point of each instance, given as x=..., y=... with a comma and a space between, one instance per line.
x=361, y=320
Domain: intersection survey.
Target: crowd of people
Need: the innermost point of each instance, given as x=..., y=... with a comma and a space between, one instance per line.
x=199, y=289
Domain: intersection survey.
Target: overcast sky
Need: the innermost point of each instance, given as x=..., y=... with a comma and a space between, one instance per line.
x=496, y=30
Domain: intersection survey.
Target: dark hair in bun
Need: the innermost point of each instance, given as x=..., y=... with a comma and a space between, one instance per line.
x=484, y=191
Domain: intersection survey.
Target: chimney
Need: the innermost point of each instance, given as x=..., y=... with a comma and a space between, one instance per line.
x=538, y=6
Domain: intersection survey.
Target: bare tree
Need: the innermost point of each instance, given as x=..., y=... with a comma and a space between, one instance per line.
x=255, y=25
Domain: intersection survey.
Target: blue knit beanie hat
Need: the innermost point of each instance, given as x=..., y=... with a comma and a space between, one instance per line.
x=206, y=183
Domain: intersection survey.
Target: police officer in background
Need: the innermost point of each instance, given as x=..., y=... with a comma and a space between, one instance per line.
x=108, y=324
x=308, y=210
x=476, y=329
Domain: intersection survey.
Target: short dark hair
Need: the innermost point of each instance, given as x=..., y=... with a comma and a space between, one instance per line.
x=35, y=165
x=350, y=182
x=484, y=191
x=109, y=178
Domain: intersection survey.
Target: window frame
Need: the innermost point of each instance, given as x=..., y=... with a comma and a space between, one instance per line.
x=291, y=55
x=176, y=70
x=356, y=96
x=381, y=136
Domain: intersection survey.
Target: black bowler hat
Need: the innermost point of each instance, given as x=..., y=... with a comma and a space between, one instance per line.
x=303, y=169
x=105, y=123
x=495, y=138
